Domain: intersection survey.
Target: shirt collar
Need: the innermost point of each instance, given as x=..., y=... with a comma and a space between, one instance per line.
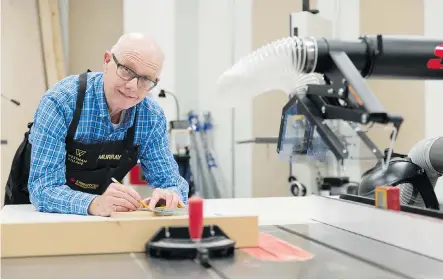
x=103, y=106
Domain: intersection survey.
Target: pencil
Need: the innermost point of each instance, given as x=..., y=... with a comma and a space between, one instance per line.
x=141, y=201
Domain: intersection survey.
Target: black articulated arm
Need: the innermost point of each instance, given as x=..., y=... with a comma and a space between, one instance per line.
x=345, y=95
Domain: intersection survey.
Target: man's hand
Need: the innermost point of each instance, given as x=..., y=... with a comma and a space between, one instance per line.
x=116, y=198
x=164, y=197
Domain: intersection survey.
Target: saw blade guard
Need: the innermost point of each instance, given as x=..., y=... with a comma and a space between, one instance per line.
x=306, y=140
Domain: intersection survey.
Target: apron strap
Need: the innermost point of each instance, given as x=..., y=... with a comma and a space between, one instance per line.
x=131, y=131
x=78, y=107
x=130, y=159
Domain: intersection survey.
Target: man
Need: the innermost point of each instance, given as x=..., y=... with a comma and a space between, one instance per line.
x=79, y=146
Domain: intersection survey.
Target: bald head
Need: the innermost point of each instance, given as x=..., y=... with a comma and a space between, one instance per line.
x=138, y=46
x=134, y=55
x=137, y=41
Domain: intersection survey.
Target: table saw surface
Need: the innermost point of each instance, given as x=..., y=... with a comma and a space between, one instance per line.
x=346, y=239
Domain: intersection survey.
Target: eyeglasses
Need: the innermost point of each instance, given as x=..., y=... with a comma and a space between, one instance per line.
x=127, y=74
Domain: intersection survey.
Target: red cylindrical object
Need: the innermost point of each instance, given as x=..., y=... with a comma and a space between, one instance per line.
x=195, y=209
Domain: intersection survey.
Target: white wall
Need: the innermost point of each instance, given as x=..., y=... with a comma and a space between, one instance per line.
x=201, y=38
x=224, y=35
x=344, y=15
x=434, y=89
x=156, y=18
x=242, y=169
x=186, y=55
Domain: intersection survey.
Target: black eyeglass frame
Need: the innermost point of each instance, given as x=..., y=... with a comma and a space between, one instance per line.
x=133, y=74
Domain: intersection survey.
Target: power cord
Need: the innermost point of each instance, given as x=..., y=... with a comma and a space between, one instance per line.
x=162, y=94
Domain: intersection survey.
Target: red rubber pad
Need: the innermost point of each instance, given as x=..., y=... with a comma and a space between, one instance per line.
x=195, y=208
x=271, y=248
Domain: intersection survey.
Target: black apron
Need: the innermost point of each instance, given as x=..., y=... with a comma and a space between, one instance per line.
x=89, y=167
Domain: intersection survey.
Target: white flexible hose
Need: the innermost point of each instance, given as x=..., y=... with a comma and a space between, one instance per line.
x=278, y=65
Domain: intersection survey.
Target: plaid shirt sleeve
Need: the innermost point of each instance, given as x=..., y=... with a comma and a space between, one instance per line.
x=158, y=163
x=46, y=184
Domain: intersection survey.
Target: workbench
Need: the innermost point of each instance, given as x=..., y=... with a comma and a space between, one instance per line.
x=346, y=239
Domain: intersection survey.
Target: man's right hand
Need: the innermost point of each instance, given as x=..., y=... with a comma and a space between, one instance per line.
x=116, y=198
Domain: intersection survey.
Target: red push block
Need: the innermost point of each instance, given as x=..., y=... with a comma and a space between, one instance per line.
x=136, y=176
x=394, y=198
x=387, y=197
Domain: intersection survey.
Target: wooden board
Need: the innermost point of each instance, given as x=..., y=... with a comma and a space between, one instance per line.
x=138, y=214
x=113, y=235
x=51, y=36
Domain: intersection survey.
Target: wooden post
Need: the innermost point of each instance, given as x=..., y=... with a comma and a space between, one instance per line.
x=51, y=37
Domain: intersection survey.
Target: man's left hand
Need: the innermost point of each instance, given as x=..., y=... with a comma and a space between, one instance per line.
x=164, y=197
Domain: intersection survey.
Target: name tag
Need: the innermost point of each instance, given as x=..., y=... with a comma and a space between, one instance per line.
x=109, y=157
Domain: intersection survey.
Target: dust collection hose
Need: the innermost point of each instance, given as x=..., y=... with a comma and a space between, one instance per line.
x=279, y=65
x=290, y=63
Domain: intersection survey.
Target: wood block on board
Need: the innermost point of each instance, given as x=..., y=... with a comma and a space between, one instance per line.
x=138, y=214
x=112, y=235
x=134, y=214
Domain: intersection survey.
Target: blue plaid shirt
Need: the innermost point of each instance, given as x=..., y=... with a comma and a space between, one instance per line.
x=47, y=189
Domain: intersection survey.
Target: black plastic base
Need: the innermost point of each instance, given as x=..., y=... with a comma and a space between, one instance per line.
x=175, y=243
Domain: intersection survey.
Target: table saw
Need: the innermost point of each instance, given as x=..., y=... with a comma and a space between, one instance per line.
x=346, y=239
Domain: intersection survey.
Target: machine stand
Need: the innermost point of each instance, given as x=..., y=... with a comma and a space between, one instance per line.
x=175, y=243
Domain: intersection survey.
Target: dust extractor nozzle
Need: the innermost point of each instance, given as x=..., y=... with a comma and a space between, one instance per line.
x=290, y=63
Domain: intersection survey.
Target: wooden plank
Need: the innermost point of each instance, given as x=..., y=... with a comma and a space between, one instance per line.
x=137, y=214
x=51, y=36
x=113, y=235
